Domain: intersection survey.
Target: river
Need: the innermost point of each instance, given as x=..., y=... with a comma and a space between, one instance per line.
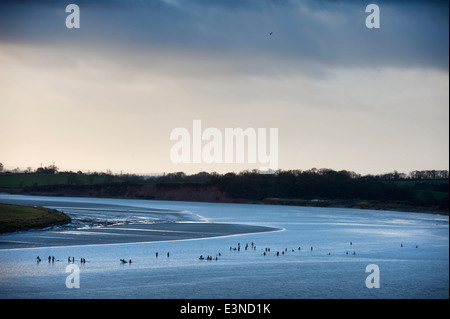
x=314, y=252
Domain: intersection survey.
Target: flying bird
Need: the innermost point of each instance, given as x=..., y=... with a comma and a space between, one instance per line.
x=270, y=33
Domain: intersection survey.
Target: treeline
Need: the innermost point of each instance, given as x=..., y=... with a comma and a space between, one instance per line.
x=414, y=175
x=393, y=176
x=321, y=184
x=418, y=188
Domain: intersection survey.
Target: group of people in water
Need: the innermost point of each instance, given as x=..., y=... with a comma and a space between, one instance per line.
x=168, y=254
x=267, y=249
x=69, y=259
x=82, y=260
x=238, y=248
x=123, y=261
x=209, y=257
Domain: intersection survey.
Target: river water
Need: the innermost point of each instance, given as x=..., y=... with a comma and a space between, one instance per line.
x=322, y=252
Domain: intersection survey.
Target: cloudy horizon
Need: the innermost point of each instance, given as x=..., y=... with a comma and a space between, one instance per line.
x=107, y=95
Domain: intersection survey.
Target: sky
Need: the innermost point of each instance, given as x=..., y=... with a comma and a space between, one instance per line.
x=107, y=95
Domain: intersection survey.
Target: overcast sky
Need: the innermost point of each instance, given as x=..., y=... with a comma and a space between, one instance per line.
x=107, y=95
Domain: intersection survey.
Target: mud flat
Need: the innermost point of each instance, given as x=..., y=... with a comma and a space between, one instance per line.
x=123, y=234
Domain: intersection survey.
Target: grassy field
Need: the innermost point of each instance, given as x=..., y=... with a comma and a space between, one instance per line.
x=15, y=217
x=15, y=182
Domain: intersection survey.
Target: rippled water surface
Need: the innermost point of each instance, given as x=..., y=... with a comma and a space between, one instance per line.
x=410, y=249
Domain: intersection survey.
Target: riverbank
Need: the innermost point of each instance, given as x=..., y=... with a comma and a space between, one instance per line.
x=425, y=191
x=213, y=195
x=17, y=217
x=357, y=204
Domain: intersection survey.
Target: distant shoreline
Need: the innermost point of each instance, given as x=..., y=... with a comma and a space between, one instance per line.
x=418, y=191
x=350, y=204
x=359, y=204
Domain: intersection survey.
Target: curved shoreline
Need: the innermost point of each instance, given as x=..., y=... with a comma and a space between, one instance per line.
x=128, y=234
x=171, y=225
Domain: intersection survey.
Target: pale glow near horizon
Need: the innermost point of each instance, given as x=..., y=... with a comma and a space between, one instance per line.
x=108, y=95
x=85, y=117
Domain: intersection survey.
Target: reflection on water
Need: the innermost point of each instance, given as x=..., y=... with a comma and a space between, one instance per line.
x=86, y=213
x=410, y=249
x=86, y=218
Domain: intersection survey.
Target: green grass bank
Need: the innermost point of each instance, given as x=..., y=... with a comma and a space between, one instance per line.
x=16, y=217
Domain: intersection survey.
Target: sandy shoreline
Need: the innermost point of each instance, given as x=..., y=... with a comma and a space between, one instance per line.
x=123, y=234
x=96, y=222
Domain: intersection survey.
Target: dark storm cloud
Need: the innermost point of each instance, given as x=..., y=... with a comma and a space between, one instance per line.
x=326, y=32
